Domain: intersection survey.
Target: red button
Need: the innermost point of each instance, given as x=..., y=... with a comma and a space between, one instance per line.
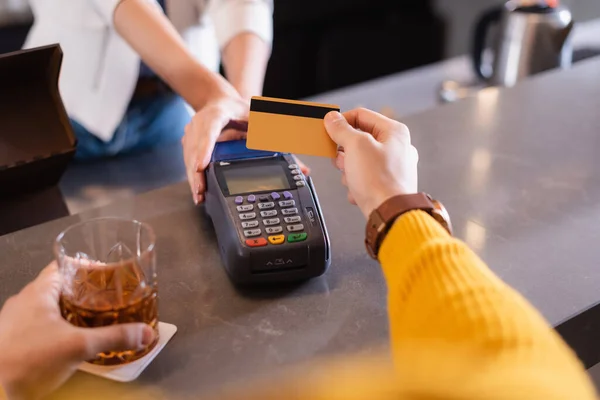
x=256, y=242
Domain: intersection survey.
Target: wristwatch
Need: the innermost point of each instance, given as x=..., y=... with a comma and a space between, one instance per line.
x=382, y=219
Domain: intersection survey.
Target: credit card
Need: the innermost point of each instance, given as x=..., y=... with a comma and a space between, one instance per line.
x=290, y=126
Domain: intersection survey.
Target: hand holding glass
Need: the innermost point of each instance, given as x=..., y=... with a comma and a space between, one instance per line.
x=108, y=271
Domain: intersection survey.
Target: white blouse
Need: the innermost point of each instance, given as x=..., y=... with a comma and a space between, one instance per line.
x=100, y=70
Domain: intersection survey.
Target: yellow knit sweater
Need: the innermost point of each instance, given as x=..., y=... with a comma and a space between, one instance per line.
x=457, y=333
x=488, y=342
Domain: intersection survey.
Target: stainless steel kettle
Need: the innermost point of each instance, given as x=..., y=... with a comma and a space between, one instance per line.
x=534, y=36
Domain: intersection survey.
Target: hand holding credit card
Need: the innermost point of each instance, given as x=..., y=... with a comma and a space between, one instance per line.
x=290, y=126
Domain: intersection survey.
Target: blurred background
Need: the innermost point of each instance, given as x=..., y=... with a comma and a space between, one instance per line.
x=316, y=39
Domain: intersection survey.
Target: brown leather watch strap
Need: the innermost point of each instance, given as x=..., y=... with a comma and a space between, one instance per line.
x=384, y=216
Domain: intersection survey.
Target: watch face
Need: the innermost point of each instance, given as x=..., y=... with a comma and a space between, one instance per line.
x=441, y=215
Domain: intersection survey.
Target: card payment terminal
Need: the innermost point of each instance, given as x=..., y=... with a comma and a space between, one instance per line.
x=266, y=215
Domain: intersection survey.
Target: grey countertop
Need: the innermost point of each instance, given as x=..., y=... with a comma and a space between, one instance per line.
x=225, y=335
x=517, y=169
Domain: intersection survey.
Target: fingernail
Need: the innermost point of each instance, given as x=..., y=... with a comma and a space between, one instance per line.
x=195, y=196
x=333, y=116
x=148, y=336
x=199, y=188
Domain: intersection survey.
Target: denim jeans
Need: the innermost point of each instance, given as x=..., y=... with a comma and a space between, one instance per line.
x=148, y=123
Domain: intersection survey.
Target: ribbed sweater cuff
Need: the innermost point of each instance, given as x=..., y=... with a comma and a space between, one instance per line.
x=405, y=239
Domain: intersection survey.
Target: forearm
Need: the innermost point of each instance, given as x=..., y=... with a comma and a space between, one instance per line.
x=441, y=293
x=147, y=30
x=245, y=60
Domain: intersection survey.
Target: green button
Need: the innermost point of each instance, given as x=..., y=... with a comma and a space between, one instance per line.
x=297, y=237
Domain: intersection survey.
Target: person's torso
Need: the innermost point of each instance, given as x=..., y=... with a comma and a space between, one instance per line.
x=100, y=70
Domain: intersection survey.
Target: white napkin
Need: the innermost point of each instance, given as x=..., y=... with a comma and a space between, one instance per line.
x=131, y=371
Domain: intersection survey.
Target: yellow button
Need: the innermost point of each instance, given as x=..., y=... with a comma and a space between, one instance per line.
x=277, y=239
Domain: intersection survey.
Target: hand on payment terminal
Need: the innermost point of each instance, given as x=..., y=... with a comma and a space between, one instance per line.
x=266, y=215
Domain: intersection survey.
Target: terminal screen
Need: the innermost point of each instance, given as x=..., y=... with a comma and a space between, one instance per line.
x=255, y=179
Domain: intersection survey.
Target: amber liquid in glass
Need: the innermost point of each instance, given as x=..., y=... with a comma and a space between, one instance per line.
x=108, y=297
